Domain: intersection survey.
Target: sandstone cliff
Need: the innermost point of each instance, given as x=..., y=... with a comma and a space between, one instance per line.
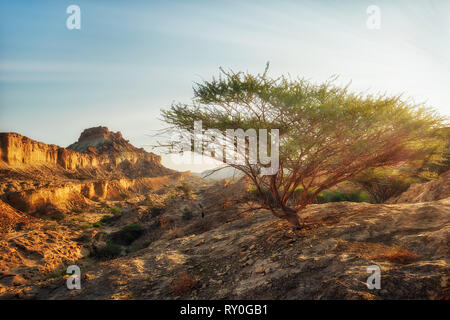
x=97, y=148
x=101, y=164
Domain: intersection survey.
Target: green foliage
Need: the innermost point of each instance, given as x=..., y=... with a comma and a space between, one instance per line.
x=199, y=192
x=85, y=226
x=58, y=274
x=186, y=188
x=326, y=196
x=327, y=134
x=106, y=219
x=116, y=210
x=124, y=196
x=97, y=224
x=128, y=234
x=383, y=184
x=50, y=227
x=108, y=251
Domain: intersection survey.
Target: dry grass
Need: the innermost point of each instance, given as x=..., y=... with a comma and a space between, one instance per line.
x=183, y=283
x=176, y=232
x=165, y=222
x=399, y=255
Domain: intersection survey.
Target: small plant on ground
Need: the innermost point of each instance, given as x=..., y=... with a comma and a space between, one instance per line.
x=50, y=227
x=128, y=234
x=106, y=219
x=399, y=255
x=186, y=188
x=116, y=210
x=124, y=195
x=183, y=283
x=84, y=226
x=108, y=251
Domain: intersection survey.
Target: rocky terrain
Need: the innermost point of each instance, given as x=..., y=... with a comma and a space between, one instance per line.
x=138, y=230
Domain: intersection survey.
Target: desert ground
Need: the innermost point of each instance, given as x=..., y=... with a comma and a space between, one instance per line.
x=138, y=230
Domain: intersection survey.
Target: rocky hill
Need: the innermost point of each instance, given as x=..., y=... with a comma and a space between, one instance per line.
x=100, y=164
x=158, y=234
x=423, y=192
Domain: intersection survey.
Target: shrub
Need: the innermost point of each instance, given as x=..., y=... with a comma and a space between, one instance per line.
x=108, y=251
x=336, y=196
x=77, y=211
x=97, y=224
x=400, y=255
x=124, y=196
x=56, y=215
x=104, y=204
x=199, y=192
x=106, y=219
x=384, y=184
x=51, y=227
x=116, y=210
x=183, y=283
x=128, y=234
x=187, y=214
x=186, y=188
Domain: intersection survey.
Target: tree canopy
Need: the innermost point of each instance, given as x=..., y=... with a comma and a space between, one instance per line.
x=327, y=134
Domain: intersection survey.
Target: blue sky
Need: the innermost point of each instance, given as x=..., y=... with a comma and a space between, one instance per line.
x=132, y=58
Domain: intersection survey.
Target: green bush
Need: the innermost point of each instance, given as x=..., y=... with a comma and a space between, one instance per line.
x=253, y=193
x=116, y=210
x=128, y=234
x=336, y=196
x=124, y=196
x=383, y=184
x=108, y=251
x=106, y=219
x=186, y=188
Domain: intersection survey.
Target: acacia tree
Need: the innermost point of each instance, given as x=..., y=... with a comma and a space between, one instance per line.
x=327, y=134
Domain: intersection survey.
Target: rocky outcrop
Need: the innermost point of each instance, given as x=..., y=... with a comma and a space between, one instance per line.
x=256, y=256
x=75, y=194
x=424, y=192
x=97, y=148
x=101, y=164
x=10, y=218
